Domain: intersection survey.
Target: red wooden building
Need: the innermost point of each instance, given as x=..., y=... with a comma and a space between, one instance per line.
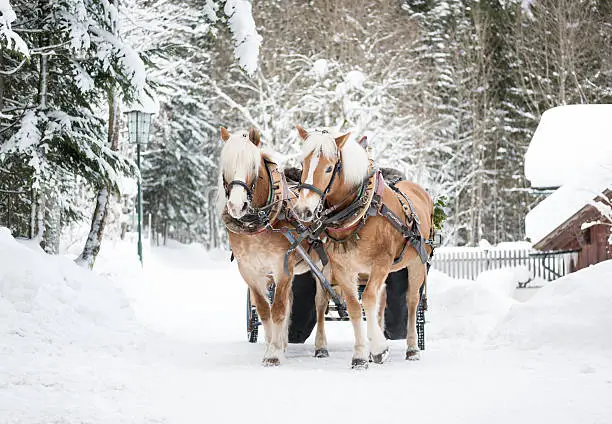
x=570, y=158
x=591, y=241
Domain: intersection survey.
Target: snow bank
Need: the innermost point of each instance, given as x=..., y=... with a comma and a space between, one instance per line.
x=467, y=310
x=567, y=142
x=50, y=300
x=573, y=312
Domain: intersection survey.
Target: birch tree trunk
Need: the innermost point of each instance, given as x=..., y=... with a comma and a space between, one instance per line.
x=98, y=222
x=94, y=239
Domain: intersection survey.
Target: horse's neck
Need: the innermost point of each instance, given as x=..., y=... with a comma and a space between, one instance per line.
x=262, y=188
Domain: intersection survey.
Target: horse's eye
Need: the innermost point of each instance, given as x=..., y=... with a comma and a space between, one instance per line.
x=328, y=170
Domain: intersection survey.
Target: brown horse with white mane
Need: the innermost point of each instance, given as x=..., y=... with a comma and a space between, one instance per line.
x=254, y=195
x=387, y=238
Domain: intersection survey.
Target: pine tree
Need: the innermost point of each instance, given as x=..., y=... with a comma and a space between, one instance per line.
x=58, y=94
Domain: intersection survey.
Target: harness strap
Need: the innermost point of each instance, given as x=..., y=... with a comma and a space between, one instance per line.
x=412, y=235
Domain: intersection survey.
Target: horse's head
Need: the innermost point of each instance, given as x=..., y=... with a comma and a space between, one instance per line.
x=329, y=162
x=240, y=160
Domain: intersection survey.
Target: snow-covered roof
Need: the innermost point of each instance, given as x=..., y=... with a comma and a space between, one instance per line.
x=567, y=142
x=572, y=148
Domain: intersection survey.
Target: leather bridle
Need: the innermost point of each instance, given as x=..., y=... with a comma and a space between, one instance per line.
x=249, y=189
x=323, y=193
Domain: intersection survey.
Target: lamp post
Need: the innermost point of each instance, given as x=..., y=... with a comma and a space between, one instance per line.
x=139, y=125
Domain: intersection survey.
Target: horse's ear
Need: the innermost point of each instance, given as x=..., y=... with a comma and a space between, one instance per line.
x=225, y=135
x=254, y=136
x=303, y=133
x=341, y=141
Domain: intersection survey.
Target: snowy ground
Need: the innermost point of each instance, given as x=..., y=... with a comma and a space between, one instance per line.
x=167, y=345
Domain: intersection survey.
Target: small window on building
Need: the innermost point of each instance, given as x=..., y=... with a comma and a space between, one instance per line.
x=586, y=235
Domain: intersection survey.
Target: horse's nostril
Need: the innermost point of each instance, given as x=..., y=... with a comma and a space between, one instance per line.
x=307, y=213
x=244, y=207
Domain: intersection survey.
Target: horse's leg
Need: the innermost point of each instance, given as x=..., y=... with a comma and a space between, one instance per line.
x=416, y=276
x=280, y=314
x=263, y=309
x=321, y=302
x=287, y=321
x=259, y=291
x=381, y=309
x=347, y=283
x=370, y=299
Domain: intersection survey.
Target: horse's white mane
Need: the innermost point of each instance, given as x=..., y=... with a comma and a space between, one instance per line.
x=355, y=161
x=240, y=154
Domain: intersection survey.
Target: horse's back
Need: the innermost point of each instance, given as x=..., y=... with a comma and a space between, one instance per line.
x=421, y=200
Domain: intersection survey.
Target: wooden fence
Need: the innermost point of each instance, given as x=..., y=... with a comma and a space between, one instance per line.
x=472, y=261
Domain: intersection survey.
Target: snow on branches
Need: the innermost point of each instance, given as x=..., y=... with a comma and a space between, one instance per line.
x=244, y=33
x=7, y=35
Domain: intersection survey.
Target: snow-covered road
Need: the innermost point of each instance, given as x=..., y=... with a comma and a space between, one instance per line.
x=74, y=350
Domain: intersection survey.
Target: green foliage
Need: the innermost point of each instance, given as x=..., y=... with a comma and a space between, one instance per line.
x=439, y=213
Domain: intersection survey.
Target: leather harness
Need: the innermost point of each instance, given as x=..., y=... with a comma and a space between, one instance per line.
x=369, y=203
x=257, y=219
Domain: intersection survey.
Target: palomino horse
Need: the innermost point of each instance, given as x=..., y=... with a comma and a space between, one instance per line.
x=254, y=196
x=334, y=169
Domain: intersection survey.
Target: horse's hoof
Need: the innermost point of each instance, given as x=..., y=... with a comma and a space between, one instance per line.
x=413, y=354
x=380, y=357
x=270, y=362
x=321, y=353
x=359, y=364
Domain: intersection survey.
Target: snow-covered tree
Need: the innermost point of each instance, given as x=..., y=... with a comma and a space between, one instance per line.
x=54, y=124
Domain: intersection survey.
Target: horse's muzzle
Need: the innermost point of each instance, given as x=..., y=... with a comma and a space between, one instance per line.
x=303, y=214
x=237, y=211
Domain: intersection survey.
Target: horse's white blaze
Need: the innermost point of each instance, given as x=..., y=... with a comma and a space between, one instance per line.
x=237, y=196
x=311, y=201
x=314, y=162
